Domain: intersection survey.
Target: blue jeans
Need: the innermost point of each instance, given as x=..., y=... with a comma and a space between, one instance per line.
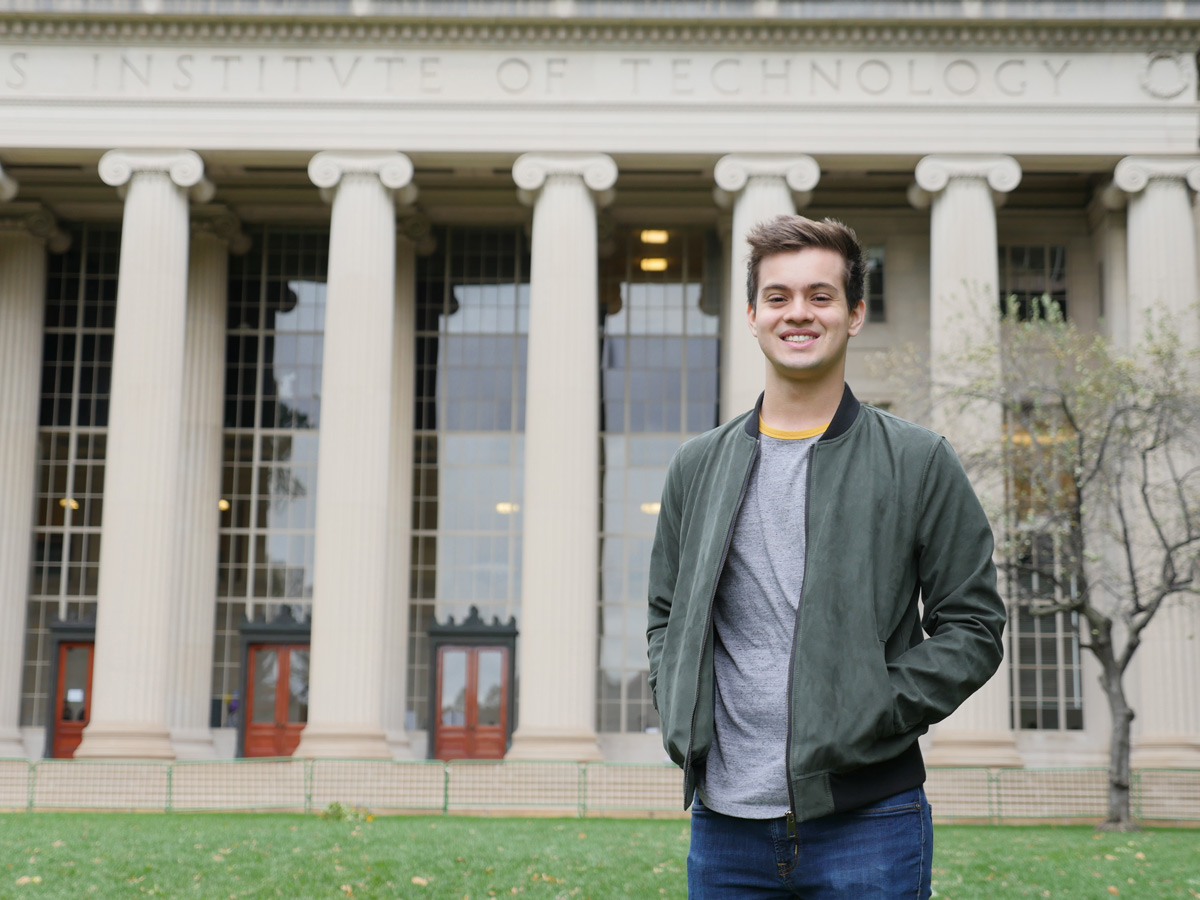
x=879, y=852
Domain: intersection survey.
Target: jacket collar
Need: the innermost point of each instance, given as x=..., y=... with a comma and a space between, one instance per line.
x=847, y=412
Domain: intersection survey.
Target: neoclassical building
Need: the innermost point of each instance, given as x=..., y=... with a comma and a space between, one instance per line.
x=343, y=346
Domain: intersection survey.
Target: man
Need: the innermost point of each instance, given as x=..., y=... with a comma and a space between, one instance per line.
x=787, y=660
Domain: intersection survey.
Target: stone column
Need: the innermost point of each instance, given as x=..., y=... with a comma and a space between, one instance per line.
x=214, y=232
x=350, y=569
x=25, y=232
x=141, y=478
x=1161, y=268
x=413, y=231
x=1161, y=234
x=965, y=310
x=1167, y=727
x=560, y=558
x=1106, y=215
x=760, y=188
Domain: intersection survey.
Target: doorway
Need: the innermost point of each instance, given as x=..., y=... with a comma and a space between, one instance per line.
x=472, y=691
x=276, y=698
x=473, y=688
x=73, y=697
x=69, y=695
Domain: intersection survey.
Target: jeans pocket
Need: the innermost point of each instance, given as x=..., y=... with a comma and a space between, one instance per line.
x=908, y=801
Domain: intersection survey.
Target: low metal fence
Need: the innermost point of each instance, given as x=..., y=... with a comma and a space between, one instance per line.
x=957, y=794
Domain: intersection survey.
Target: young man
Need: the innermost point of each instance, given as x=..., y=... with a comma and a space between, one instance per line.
x=787, y=659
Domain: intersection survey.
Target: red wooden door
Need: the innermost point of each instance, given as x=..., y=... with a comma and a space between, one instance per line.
x=471, y=721
x=277, y=698
x=73, y=704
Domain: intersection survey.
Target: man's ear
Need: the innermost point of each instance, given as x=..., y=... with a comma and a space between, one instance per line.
x=858, y=315
x=751, y=319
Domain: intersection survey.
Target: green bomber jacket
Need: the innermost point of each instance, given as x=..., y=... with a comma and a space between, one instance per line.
x=891, y=520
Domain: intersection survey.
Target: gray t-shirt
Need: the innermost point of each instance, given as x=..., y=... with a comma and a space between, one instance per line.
x=754, y=617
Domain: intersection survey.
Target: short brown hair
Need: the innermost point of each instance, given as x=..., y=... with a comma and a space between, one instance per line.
x=785, y=234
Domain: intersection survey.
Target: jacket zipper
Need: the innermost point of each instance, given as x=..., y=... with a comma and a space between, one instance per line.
x=787, y=757
x=711, y=603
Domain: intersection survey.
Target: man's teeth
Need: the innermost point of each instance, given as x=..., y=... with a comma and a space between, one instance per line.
x=799, y=338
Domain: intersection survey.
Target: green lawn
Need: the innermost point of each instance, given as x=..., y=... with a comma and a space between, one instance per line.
x=44, y=855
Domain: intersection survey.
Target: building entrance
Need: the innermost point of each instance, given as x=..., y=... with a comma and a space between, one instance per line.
x=276, y=698
x=472, y=711
x=73, y=700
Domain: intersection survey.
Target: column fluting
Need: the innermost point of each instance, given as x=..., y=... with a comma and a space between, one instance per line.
x=560, y=509
x=964, y=311
x=761, y=188
x=138, y=533
x=23, y=242
x=1161, y=236
x=351, y=568
x=213, y=233
x=413, y=230
x=1161, y=268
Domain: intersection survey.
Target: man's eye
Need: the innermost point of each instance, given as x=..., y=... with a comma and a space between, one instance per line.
x=822, y=298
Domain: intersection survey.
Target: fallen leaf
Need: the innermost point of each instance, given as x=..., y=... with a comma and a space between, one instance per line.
x=1113, y=890
x=1139, y=855
x=24, y=879
x=417, y=879
x=347, y=890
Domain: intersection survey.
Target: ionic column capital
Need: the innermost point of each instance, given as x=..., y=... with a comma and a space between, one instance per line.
x=1134, y=173
x=934, y=173
x=221, y=224
x=184, y=167
x=394, y=171
x=35, y=220
x=733, y=172
x=1002, y=173
x=531, y=171
x=8, y=186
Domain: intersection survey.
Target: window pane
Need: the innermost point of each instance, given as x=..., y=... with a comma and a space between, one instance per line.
x=266, y=676
x=659, y=386
x=454, y=687
x=490, y=687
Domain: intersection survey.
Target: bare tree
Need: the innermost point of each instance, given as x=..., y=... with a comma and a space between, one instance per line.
x=1101, y=460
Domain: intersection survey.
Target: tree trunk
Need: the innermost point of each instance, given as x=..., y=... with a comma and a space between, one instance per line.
x=1120, y=816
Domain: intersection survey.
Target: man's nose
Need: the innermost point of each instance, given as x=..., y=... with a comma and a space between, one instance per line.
x=798, y=310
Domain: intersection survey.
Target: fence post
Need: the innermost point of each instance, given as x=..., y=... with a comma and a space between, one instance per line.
x=32, y=784
x=1135, y=788
x=309, y=766
x=170, y=786
x=994, y=810
x=446, y=788
x=581, y=789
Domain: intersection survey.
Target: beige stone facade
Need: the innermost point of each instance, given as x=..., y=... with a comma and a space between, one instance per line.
x=454, y=195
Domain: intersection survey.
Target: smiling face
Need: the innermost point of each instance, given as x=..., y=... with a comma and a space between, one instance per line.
x=801, y=318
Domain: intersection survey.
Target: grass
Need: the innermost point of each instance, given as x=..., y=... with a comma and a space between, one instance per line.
x=109, y=856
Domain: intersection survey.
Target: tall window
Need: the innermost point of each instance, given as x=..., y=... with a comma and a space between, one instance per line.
x=472, y=323
x=873, y=283
x=81, y=306
x=1044, y=650
x=275, y=334
x=1029, y=272
x=660, y=295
